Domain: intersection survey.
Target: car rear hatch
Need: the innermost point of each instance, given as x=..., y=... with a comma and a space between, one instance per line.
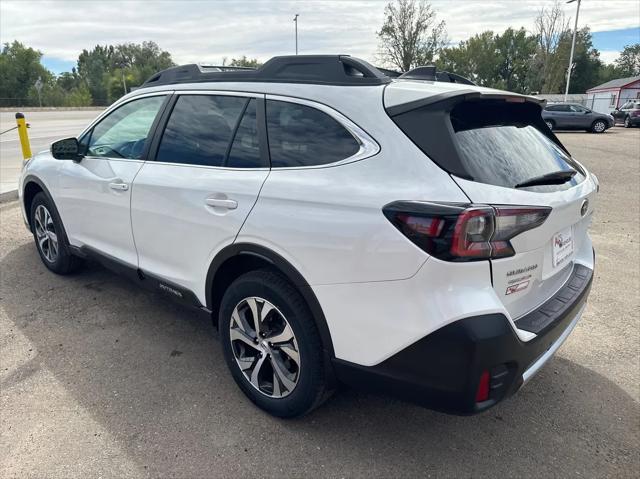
x=497, y=148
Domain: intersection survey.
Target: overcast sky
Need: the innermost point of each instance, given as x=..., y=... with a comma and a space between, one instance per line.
x=207, y=31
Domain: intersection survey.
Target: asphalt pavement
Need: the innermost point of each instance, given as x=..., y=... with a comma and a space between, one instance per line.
x=101, y=379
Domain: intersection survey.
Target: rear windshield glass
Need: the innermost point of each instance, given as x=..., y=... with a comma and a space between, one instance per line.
x=498, y=144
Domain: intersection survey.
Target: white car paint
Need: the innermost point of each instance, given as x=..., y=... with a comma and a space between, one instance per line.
x=378, y=291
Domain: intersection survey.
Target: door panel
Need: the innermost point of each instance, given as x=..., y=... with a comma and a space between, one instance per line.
x=95, y=198
x=95, y=193
x=182, y=215
x=210, y=163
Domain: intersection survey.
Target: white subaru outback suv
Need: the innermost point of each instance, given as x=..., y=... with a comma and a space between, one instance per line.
x=417, y=235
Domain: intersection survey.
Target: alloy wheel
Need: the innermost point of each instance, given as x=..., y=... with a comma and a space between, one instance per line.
x=265, y=347
x=549, y=125
x=627, y=122
x=599, y=126
x=46, y=234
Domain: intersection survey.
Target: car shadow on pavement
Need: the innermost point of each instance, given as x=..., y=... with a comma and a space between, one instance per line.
x=151, y=376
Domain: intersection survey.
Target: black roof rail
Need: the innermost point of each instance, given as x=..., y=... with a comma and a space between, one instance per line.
x=430, y=73
x=318, y=69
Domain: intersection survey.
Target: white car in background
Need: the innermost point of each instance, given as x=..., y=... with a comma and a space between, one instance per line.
x=417, y=235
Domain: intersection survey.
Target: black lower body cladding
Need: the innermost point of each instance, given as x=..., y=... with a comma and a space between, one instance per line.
x=442, y=370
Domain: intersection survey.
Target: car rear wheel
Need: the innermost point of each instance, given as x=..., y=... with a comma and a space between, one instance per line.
x=550, y=124
x=271, y=344
x=627, y=122
x=598, y=126
x=50, y=237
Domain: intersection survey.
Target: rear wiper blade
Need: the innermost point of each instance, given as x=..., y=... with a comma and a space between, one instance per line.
x=555, y=178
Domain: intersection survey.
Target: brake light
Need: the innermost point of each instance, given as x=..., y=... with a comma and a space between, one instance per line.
x=455, y=232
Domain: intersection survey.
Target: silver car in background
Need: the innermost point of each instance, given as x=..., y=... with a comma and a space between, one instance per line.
x=573, y=116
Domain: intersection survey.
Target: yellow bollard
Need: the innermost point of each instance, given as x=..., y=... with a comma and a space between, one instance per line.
x=24, y=136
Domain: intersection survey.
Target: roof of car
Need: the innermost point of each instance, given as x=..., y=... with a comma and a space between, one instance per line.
x=321, y=77
x=342, y=70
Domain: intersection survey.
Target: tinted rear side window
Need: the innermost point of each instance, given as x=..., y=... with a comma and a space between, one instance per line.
x=200, y=129
x=300, y=135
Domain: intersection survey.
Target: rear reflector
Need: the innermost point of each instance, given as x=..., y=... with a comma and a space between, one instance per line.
x=482, y=394
x=464, y=232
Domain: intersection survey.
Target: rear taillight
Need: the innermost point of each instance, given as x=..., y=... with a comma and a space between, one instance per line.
x=455, y=232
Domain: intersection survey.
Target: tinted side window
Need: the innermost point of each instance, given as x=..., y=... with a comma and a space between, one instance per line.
x=553, y=108
x=199, y=130
x=300, y=135
x=123, y=132
x=245, y=150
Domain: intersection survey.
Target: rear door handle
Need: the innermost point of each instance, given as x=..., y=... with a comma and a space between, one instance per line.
x=220, y=203
x=119, y=186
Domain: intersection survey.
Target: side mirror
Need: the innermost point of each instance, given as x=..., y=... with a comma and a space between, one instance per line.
x=587, y=112
x=66, y=149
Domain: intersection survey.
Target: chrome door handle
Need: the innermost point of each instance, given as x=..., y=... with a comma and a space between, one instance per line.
x=119, y=186
x=220, y=203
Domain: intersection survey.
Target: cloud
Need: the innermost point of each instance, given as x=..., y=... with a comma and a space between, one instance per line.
x=609, y=56
x=207, y=31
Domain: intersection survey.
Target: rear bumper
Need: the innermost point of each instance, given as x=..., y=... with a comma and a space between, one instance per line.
x=442, y=370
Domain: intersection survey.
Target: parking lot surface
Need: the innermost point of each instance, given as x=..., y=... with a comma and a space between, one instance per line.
x=101, y=379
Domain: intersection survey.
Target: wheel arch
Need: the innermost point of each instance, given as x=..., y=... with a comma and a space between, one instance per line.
x=239, y=258
x=33, y=185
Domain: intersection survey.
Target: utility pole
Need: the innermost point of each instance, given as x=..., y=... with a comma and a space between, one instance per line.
x=573, y=46
x=295, y=20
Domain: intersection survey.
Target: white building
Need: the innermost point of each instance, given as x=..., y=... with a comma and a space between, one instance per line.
x=607, y=97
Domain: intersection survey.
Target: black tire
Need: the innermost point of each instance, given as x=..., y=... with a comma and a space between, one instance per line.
x=627, y=122
x=598, y=126
x=312, y=386
x=550, y=124
x=63, y=261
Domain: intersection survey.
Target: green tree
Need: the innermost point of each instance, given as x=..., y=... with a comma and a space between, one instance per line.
x=496, y=61
x=94, y=67
x=547, y=67
x=20, y=68
x=107, y=69
x=474, y=58
x=514, y=51
x=628, y=63
x=411, y=34
x=245, y=62
x=587, y=65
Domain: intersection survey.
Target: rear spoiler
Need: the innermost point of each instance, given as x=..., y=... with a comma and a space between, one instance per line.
x=427, y=122
x=452, y=98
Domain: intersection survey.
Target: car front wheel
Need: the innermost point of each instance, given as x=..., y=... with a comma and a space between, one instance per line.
x=550, y=124
x=271, y=344
x=598, y=126
x=50, y=237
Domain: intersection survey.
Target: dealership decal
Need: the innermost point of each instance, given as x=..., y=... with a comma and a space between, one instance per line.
x=515, y=288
